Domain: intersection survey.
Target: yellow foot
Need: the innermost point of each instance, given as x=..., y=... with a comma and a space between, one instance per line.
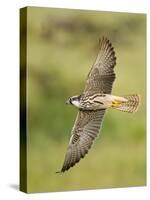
x=116, y=103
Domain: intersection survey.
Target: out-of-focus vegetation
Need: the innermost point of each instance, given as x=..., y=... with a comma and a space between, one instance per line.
x=62, y=44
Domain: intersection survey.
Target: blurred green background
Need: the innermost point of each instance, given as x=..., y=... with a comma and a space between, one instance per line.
x=62, y=45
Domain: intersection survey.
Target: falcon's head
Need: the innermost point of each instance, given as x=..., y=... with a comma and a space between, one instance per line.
x=75, y=100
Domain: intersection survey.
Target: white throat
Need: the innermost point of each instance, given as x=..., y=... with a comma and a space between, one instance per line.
x=76, y=103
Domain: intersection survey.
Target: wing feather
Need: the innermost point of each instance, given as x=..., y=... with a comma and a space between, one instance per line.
x=84, y=132
x=102, y=75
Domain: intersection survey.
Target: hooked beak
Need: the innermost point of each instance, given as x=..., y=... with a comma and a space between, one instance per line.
x=67, y=102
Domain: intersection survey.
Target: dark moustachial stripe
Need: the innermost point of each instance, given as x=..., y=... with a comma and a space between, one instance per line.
x=70, y=101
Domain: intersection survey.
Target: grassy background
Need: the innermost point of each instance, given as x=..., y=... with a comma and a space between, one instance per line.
x=62, y=45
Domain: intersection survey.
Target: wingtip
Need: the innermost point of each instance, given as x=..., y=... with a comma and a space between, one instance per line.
x=58, y=172
x=61, y=171
x=103, y=38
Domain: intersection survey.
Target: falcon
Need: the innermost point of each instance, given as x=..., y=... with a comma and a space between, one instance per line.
x=93, y=103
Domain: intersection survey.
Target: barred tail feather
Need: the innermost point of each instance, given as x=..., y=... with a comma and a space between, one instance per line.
x=131, y=105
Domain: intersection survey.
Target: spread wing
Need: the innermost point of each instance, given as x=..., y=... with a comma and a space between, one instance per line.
x=101, y=75
x=85, y=130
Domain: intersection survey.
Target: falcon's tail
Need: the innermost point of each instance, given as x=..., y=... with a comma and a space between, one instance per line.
x=128, y=103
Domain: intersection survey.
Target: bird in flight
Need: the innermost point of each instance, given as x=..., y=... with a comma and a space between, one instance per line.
x=93, y=102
